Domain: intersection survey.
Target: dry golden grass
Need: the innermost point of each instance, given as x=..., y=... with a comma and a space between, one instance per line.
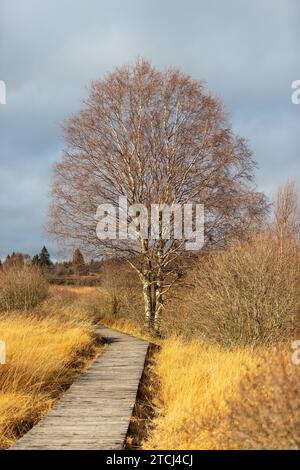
x=193, y=381
x=212, y=398
x=44, y=356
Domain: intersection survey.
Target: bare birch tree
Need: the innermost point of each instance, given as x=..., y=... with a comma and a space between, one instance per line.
x=153, y=138
x=287, y=213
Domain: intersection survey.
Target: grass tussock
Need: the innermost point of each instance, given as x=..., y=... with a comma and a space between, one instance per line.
x=212, y=398
x=191, y=378
x=43, y=357
x=21, y=288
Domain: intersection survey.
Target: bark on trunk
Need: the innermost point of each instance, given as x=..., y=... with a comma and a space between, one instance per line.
x=158, y=306
x=148, y=305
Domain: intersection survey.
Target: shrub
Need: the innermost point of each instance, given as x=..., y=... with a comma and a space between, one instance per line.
x=247, y=294
x=21, y=288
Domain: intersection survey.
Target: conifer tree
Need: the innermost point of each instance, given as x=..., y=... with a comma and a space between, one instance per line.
x=44, y=257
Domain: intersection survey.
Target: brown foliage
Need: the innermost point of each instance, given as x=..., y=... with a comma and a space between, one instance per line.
x=247, y=294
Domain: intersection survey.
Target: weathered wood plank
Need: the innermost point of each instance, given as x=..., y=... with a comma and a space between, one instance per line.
x=95, y=412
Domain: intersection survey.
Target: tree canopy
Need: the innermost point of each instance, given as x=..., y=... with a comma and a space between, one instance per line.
x=152, y=137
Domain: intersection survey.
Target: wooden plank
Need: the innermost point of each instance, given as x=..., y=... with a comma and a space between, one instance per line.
x=95, y=412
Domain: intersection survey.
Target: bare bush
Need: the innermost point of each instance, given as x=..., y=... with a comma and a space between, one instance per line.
x=21, y=288
x=249, y=293
x=245, y=295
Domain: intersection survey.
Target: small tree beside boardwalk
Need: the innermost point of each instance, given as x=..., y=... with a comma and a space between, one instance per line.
x=152, y=137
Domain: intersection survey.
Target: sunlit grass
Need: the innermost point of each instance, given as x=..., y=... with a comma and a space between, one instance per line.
x=211, y=398
x=43, y=356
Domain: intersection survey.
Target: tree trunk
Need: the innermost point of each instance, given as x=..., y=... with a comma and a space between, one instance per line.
x=158, y=306
x=148, y=305
x=158, y=286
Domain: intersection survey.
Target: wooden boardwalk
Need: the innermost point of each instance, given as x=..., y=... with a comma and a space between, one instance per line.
x=95, y=412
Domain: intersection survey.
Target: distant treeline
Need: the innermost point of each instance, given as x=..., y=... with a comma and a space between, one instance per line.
x=76, y=266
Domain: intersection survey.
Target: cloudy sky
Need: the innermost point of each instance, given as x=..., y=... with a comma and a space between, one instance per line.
x=50, y=50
